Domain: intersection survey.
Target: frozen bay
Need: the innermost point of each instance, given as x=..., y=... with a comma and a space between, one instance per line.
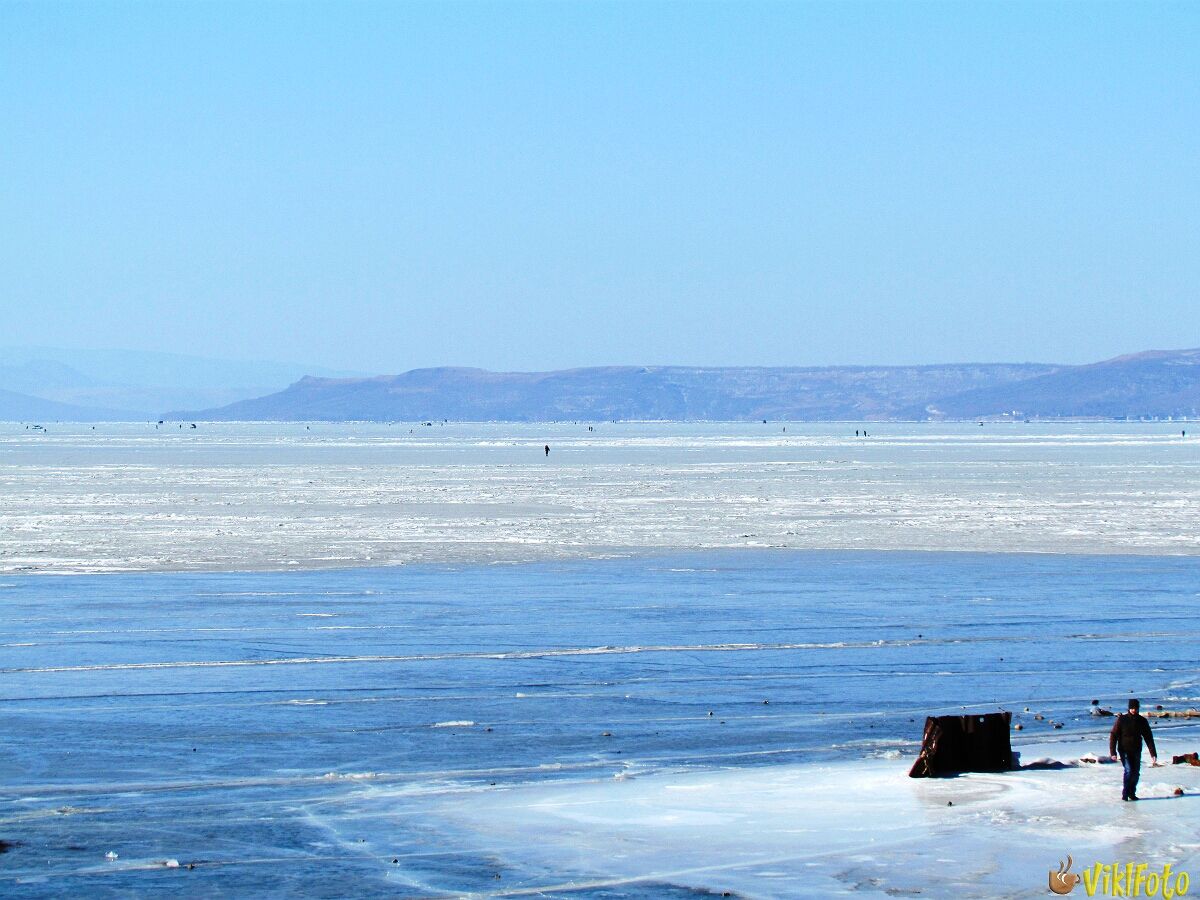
x=279, y=496
x=653, y=726
x=248, y=704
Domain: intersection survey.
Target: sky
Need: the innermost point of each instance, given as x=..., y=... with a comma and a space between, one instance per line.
x=524, y=186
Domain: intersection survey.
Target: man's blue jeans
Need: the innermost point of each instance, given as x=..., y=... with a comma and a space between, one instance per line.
x=1133, y=769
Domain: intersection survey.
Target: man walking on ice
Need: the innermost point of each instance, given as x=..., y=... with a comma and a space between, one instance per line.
x=1128, y=732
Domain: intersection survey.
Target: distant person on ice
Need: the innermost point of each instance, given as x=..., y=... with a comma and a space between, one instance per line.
x=1128, y=732
x=547, y=449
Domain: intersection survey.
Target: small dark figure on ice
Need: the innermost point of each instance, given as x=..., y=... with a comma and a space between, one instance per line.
x=547, y=449
x=1128, y=732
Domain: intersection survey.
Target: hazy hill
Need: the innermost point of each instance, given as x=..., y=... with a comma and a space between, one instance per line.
x=1155, y=383
x=138, y=384
x=657, y=392
x=33, y=375
x=17, y=407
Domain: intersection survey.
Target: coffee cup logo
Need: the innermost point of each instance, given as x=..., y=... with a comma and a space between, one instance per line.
x=1064, y=880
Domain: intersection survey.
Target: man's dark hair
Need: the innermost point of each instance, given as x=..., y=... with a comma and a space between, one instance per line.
x=1135, y=705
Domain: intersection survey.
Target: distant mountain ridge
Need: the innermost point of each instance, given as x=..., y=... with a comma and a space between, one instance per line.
x=1157, y=383
x=1154, y=383
x=625, y=392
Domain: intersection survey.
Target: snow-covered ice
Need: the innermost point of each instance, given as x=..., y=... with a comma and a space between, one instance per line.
x=824, y=829
x=280, y=496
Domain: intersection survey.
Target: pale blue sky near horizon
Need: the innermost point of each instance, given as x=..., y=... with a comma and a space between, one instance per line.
x=383, y=186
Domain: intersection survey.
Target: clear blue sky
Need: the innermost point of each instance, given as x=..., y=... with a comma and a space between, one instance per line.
x=525, y=186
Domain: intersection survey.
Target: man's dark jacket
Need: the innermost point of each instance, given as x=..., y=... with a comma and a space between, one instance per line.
x=1128, y=732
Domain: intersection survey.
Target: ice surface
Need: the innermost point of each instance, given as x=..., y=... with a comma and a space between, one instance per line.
x=584, y=728
x=821, y=830
x=281, y=496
